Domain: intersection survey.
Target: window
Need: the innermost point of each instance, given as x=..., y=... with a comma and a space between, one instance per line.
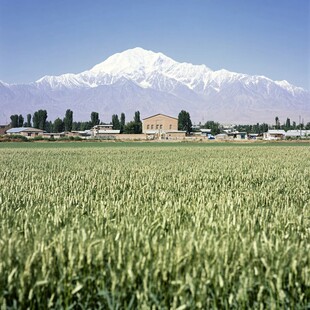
x=152, y=126
x=161, y=127
x=156, y=126
x=148, y=126
x=170, y=126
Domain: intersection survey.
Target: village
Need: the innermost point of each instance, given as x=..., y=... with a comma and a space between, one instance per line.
x=158, y=127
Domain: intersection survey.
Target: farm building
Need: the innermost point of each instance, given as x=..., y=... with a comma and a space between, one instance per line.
x=297, y=133
x=4, y=128
x=205, y=132
x=159, y=122
x=237, y=135
x=174, y=135
x=165, y=135
x=79, y=133
x=163, y=127
x=104, y=131
x=253, y=136
x=54, y=135
x=25, y=131
x=273, y=134
x=222, y=136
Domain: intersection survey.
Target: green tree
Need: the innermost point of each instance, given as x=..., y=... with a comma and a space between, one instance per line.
x=20, y=121
x=307, y=126
x=137, y=123
x=28, y=123
x=86, y=126
x=39, y=119
x=277, y=123
x=76, y=126
x=14, y=120
x=58, y=125
x=122, y=123
x=130, y=127
x=94, y=119
x=115, y=122
x=255, y=128
x=49, y=126
x=288, y=124
x=263, y=127
x=35, y=120
x=68, y=120
x=184, y=121
x=214, y=126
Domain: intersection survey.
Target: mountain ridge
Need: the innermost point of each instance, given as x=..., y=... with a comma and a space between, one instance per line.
x=203, y=92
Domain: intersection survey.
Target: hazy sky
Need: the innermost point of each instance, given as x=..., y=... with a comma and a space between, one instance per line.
x=52, y=37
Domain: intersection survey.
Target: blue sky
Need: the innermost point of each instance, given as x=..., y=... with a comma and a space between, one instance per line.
x=266, y=37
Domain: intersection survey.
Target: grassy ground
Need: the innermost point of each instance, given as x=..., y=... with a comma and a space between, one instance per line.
x=154, y=225
x=91, y=144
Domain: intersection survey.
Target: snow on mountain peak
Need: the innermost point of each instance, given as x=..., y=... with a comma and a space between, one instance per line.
x=140, y=65
x=150, y=82
x=132, y=61
x=149, y=70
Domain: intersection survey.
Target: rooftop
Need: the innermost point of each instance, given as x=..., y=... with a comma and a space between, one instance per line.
x=23, y=129
x=159, y=114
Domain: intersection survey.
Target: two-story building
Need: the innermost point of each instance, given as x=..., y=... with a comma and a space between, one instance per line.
x=161, y=126
x=159, y=122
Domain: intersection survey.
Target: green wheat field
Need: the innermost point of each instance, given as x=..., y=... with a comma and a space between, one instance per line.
x=154, y=226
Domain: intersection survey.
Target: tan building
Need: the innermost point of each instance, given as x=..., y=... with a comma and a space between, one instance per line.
x=25, y=131
x=159, y=123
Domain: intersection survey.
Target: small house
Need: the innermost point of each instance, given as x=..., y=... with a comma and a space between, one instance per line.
x=205, y=132
x=274, y=134
x=107, y=134
x=4, y=128
x=104, y=131
x=293, y=134
x=253, y=136
x=25, y=131
x=222, y=136
x=237, y=135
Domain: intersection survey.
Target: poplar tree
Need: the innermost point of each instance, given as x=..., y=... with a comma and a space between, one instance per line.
x=122, y=124
x=14, y=120
x=68, y=120
x=94, y=119
x=115, y=122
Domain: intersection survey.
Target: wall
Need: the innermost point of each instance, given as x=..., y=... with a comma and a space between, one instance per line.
x=160, y=122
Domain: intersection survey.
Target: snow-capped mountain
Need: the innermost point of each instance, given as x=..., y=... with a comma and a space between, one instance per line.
x=138, y=79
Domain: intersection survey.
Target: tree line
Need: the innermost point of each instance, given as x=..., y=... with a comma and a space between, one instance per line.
x=39, y=120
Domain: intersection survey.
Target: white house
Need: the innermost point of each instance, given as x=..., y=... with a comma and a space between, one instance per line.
x=274, y=134
x=104, y=131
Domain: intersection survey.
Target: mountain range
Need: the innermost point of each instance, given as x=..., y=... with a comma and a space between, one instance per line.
x=149, y=82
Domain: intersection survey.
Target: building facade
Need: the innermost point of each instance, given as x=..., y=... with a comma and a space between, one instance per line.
x=4, y=128
x=159, y=123
x=25, y=131
x=273, y=134
x=106, y=131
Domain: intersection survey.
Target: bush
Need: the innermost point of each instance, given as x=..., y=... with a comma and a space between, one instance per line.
x=38, y=138
x=13, y=138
